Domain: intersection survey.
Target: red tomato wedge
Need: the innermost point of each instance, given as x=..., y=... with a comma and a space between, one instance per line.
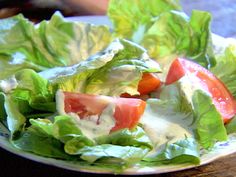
x=149, y=82
x=127, y=114
x=222, y=98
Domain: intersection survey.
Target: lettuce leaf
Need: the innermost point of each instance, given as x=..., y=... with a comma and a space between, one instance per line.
x=209, y=124
x=25, y=95
x=170, y=132
x=56, y=42
x=124, y=72
x=132, y=20
x=125, y=137
x=121, y=154
x=163, y=29
x=64, y=132
x=231, y=126
x=204, y=119
x=121, y=64
x=181, y=36
x=37, y=141
x=183, y=151
x=225, y=68
x=15, y=119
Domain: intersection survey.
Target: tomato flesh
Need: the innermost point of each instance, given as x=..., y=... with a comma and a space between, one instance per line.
x=127, y=114
x=149, y=83
x=84, y=104
x=222, y=98
x=128, y=111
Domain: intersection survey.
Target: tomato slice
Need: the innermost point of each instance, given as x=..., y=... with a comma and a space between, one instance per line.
x=222, y=98
x=127, y=114
x=149, y=82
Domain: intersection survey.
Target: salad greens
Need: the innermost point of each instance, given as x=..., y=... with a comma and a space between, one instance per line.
x=226, y=62
x=100, y=72
x=164, y=29
x=38, y=60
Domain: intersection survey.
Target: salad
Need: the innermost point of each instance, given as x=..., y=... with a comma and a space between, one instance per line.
x=152, y=90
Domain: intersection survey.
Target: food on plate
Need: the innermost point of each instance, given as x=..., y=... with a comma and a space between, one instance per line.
x=202, y=78
x=63, y=83
x=149, y=83
x=126, y=111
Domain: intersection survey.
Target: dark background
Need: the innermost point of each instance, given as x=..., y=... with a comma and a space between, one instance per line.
x=224, y=18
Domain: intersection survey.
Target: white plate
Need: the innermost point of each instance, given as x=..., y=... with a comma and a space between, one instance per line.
x=220, y=150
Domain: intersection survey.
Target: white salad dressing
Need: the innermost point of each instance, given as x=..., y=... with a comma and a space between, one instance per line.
x=94, y=126
x=189, y=84
x=8, y=84
x=165, y=127
x=60, y=97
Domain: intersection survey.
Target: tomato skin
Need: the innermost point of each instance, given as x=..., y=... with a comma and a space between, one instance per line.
x=124, y=114
x=82, y=105
x=127, y=114
x=149, y=82
x=222, y=98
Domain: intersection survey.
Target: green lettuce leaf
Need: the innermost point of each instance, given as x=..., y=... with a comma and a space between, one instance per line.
x=225, y=68
x=121, y=64
x=231, y=126
x=125, y=137
x=209, y=124
x=34, y=89
x=124, y=72
x=163, y=29
x=37, y=141
x=181, y=36
x=15, y=119
x=121, y=154
x=169, y=128
x=132, y=20
x=25, y=95
x=56, y=42
x=30, y=91
x=182, y=151
x=68, y=43
x=206, y=120
x=65, y=130
x=2, y=109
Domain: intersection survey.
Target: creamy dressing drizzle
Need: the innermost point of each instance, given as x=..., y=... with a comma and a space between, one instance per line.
x=92, y=126
x=95, y=126
x=8, y=84
x=189, y=84
x=165, y=127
